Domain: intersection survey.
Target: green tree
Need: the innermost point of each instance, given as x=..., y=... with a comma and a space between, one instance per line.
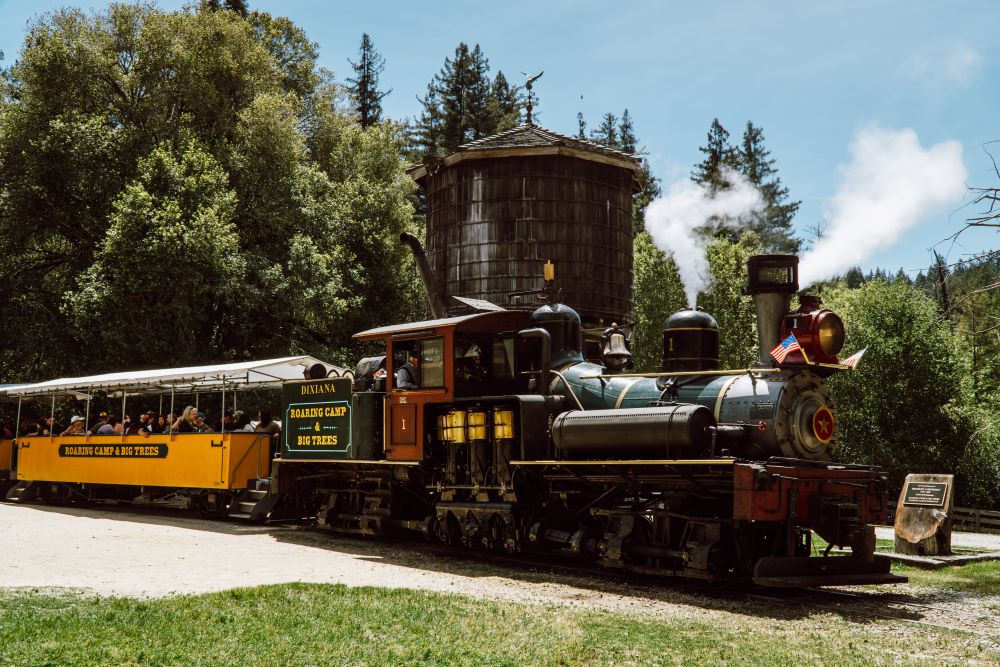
x=979, y=469
x=372, y=200
x=903, y=407
x=166, y=280
x=455, y=109
x=364, y=86
x=774, y=224
x=238, y=6
x=606, y=133
x=719, y=156
x=462, y=104
x=658, y=294
x=134, y=116
x=627, y=141
x=581, y=126
x=504, y=104
x=725, y=301
x=291, y=53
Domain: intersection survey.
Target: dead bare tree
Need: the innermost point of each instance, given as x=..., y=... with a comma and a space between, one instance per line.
x=987, y=199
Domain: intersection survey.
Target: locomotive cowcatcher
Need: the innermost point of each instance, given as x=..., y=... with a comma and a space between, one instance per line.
x=511, y=441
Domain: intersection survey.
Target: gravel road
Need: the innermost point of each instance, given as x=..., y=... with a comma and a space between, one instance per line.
x=119, y=551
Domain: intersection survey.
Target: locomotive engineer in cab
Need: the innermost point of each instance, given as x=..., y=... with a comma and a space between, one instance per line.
x=408, y=374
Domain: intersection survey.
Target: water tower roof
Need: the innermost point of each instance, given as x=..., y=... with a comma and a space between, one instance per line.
x=528, y=140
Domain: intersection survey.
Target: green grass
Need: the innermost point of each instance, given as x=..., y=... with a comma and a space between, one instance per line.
x=982, y=578
x=888, y=546
x=300, y=624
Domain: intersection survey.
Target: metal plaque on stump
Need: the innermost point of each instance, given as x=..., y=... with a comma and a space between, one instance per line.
x=923, y=515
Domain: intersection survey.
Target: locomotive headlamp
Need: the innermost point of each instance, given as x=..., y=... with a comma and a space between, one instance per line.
x=830, y=333
x=819, y=333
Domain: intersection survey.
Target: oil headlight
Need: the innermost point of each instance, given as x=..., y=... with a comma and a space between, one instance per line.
x=831, y=333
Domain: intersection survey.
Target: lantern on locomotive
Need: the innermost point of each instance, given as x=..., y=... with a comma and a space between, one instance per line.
x=772, y=279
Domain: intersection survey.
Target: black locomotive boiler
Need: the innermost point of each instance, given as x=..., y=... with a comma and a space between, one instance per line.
x=511, y=441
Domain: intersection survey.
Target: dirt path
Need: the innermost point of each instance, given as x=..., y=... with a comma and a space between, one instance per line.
x=122, y=552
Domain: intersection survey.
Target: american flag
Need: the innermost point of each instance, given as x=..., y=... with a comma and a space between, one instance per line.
x=853, y=360
x=782, y=349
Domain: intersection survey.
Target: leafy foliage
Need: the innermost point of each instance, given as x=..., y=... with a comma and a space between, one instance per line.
x=364, y=86
x=174, y=223
x=463, y=105
x=773, y=226
x=903, y=408
x=658, y=294
x=725, y=301
x=719, y=154
x=186, y=185
x=969, y=295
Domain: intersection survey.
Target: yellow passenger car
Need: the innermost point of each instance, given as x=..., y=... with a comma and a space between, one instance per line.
x=219, y=472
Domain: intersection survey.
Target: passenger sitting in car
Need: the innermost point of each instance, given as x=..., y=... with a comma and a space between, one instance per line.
x=51, y=426
x=199, y=423
x=185, y=423
x=75, y=426
x=265, y=424
x=111, y=427
x=102, y=419
x=241, y=421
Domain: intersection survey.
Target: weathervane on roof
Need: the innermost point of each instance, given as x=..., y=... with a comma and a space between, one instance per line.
x=529, y=105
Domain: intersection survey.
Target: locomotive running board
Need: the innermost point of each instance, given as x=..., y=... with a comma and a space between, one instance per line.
x=823, y=571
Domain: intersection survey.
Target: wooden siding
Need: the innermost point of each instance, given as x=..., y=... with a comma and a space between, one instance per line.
x=492, y=224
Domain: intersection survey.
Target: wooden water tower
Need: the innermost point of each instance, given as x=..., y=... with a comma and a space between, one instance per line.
x=500, y=207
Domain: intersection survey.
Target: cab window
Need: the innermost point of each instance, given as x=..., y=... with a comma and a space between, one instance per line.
x=472, y=361
x=429, y=368
x=432, y=362
x=503, y=358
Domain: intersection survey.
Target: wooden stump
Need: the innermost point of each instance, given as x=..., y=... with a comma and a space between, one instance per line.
x=923, y=515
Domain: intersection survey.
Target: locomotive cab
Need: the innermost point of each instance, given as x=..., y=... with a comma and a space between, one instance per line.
x=439, y=362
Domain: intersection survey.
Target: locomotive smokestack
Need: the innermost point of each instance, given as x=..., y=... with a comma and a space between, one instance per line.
x=434, y=299
x=771, y=280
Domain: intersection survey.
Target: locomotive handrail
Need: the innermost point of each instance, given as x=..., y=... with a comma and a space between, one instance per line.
x=569, y=387
x=732, y=371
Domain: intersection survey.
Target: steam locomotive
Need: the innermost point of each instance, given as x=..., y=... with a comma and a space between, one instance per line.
x=512, y=441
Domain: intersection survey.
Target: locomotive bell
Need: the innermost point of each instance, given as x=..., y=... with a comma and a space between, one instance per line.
x=690, y=342
x=771, y=280
x=614, y=353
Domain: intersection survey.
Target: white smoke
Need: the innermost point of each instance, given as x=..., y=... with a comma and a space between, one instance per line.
x=677, y=223
x=891, y=184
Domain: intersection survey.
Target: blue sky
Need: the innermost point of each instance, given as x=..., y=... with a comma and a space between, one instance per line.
x=812, y=75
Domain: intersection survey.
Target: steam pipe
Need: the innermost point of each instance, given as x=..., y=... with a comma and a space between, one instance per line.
x=434, y=299
x=546, y=361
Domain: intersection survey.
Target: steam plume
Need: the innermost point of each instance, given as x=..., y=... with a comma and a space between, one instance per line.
x=677, y=223
x=889, y=186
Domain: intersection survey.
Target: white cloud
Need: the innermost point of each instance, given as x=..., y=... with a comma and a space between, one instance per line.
x=891, y=185
x=944, y=68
